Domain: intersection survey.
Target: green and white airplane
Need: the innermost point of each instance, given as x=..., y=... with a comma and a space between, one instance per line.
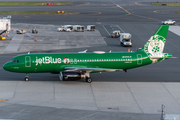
x=80, y=65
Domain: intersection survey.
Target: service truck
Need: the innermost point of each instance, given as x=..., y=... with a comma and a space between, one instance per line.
x=125, y=39
x=168, y=22
x=67, y=28
x=90, y=27
x=5, y=24
x=78, y=28
x=115, y=34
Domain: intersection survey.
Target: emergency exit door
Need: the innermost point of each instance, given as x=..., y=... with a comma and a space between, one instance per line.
x=27, y=61
x=139, y=59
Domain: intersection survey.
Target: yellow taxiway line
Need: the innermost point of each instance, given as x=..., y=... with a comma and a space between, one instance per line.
x=133, y=14
x=1, y=100
x=120, y=7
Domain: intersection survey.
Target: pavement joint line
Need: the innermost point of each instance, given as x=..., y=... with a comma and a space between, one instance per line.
x=134, y=97
x=170, y=93
x=86, y=117
x=15, y=89
x=106, y=30
x=94, y=97
x=17, y=113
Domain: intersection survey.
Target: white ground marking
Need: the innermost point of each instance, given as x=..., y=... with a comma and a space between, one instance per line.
x=106, y=30
x=175, y=29
x=15, y=43
x=120, y=29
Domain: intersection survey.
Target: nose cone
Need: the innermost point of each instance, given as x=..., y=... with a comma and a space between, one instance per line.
x=6, y=66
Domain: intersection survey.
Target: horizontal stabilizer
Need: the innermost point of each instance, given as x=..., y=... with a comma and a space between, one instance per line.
x=161, y=57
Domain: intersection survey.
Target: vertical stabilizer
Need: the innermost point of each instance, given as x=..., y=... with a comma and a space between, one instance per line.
x=155, y=44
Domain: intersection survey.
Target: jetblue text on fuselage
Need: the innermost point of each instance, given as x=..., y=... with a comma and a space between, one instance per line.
x=47, y=60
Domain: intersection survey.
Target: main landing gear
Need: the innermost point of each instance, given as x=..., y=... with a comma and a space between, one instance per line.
x=26, y=77
x=88, y=79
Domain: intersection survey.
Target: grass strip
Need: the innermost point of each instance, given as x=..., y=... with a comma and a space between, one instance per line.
x=178, y=12
x=34, y=12
x=32, y=3
x=176, y=4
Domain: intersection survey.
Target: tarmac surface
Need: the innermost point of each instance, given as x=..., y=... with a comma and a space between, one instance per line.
x=99, y=11
x=137, y=94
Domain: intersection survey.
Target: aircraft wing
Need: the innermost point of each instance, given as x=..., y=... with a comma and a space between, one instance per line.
x=90, y=69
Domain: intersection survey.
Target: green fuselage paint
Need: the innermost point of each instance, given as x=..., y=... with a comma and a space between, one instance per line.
x=57, y=62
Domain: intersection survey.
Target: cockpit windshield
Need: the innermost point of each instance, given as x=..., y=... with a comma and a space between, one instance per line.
x=15, y=61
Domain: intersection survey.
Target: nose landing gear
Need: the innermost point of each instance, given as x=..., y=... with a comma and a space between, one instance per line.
x=26, y=77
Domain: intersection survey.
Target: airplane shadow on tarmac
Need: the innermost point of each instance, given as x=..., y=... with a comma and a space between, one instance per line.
x=133, y=75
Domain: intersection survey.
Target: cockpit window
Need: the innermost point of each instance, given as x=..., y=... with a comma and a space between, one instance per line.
x=14, y=61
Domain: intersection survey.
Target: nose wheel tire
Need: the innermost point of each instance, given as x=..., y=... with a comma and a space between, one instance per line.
x=26, y=78
x=88, y=80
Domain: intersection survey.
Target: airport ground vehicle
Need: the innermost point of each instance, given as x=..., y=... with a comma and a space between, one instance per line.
x=90, y=27
x=67, y=28
x=78, y=28
x=4, y=31
x=168, y=22
x=21, y=31
x=60, y=29
x=34, y=31
x=85, y=63
x=5, y=23
x=115, y=34
x=125, y=39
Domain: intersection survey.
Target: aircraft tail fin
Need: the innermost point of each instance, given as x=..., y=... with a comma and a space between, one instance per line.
x=155, y=44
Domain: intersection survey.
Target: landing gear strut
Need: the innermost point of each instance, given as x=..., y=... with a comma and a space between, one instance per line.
x=26, y=77
x=87, y=78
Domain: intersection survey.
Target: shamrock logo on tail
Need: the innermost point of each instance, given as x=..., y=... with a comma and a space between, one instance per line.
x=155, y=49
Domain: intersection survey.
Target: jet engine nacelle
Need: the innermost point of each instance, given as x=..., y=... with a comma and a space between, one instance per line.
x=70, y=76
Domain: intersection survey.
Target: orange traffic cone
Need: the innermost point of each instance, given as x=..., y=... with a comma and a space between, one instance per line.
x=128, y=49
x=4, y=35
x=12, y=29
x=29, y=30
